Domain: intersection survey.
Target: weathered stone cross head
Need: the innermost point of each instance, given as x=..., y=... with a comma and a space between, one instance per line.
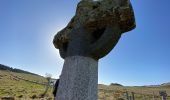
x=90, y=35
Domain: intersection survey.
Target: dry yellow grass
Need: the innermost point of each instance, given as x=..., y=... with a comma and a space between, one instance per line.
x=113, y=92
x=23, y=90
x=20, y=89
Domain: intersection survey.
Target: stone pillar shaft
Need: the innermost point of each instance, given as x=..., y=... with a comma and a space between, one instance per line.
x=79, y=79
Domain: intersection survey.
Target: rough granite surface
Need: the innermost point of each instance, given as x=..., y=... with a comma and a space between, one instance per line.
x=79, y=79
x=98, y=14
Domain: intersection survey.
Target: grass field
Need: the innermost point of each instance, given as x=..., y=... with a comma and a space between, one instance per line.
x=113, y=92
x=10, y=86
x=15, y=85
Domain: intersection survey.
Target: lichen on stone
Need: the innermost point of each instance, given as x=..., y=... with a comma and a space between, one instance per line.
x=98, y=14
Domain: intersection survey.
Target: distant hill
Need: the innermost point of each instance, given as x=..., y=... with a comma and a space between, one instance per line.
x=159, y=85
x=166, y=84
x=7, y=68
x=115, y=84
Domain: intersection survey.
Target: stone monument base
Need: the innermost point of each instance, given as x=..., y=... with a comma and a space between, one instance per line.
x=79, y=79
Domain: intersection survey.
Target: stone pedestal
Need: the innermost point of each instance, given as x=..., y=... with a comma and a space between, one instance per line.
x=79, y=79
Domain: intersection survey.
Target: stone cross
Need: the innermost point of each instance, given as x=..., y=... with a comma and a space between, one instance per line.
x=90, y=35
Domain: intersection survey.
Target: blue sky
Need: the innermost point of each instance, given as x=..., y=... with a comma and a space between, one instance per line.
x=141, y=57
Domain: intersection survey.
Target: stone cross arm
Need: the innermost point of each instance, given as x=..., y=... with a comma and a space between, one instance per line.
x=95, y=29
